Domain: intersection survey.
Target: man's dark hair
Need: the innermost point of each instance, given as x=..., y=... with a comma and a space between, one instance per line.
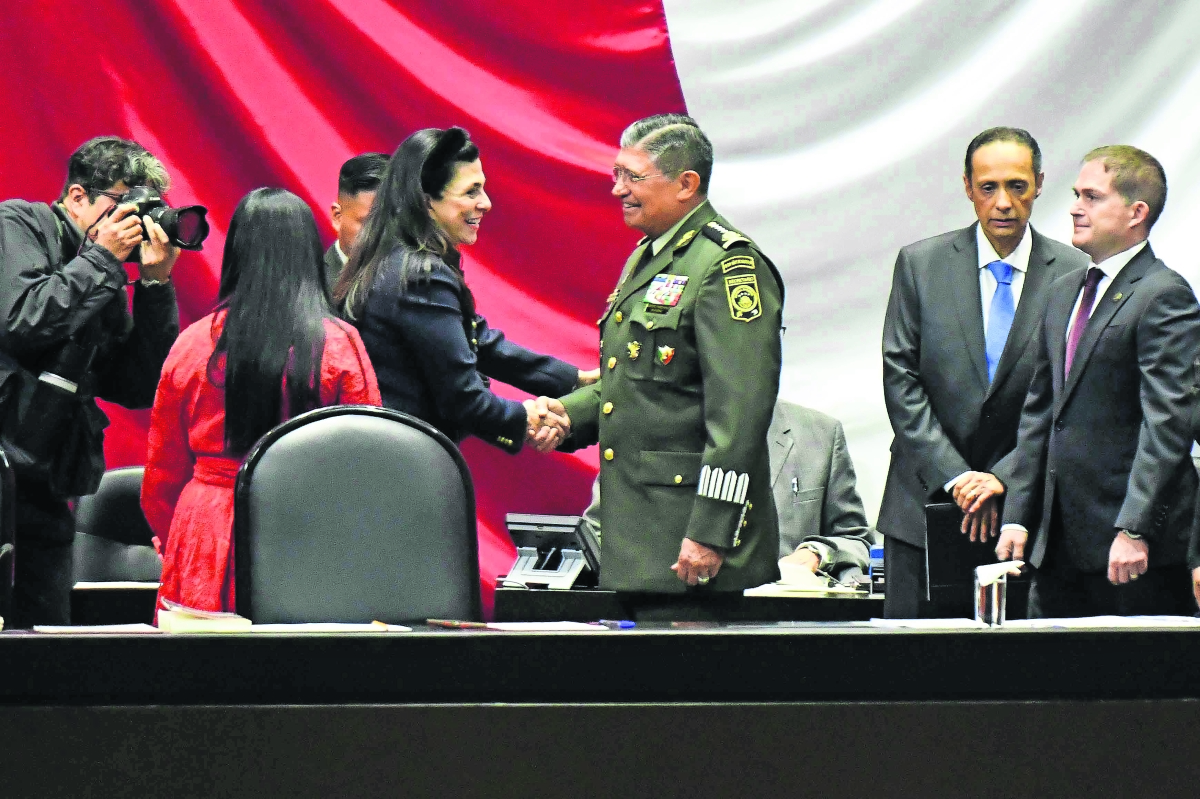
x=419, y=171
x=361, y=173
x=268, y=354
x=1014, y=135
x=103, y=162
x=674, y=143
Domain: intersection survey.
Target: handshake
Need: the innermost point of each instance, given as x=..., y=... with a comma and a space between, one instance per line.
x=547, y=421
x=547, y=424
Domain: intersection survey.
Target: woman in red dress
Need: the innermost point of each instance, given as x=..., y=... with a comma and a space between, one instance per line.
x=272, y=349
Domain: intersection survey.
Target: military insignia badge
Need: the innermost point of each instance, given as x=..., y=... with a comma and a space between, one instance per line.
x=635, y=349
x=666, y=290
x=685, y=240
x=744, y=302
x=665, y=354
x=737, y=262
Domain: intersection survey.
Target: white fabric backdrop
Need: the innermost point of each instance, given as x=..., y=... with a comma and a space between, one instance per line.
x=840, y=128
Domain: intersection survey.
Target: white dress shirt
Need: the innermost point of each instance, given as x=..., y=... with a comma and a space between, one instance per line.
x=1018, y=259
x=337, y=247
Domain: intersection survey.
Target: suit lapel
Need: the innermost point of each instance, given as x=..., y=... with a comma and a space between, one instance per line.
x=964, y=284
x=1037, y=282
x=1116, y=294
x=781, y=444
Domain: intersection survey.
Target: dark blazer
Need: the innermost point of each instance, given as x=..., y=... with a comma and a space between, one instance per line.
x=815, y=490
x=1111, y=444
x=433, y=361
x=946, y=418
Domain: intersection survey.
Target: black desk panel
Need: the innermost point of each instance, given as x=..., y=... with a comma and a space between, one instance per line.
x=790, y=663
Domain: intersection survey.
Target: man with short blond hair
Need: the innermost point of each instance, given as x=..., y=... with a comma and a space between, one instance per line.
x=1103, y=478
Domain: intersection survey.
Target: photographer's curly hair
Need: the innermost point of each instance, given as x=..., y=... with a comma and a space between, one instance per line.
x=419, y=171
x=103, y=162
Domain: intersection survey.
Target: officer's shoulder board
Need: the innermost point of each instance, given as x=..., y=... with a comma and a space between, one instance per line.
x=724, y=236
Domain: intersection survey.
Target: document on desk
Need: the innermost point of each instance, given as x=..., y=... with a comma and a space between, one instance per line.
x=546, y=626
x=328, y=627
x=929, y=624
x=1101, y=622
x=97, y=629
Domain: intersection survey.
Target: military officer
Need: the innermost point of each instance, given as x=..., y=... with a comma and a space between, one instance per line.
x=690, y=357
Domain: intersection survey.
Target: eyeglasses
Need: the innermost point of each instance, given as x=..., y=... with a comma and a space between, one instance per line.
x=112, y=195
x=621, y=173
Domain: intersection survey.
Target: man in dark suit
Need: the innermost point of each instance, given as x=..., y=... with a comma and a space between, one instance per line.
x=358, y=180
x=1105, y=433
x=957, y=355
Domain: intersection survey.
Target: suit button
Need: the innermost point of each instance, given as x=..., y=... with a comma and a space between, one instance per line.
x=607, y=408
x=612, y=362
x=650, y=325
x=619, y=316
x=678, y=479
x=474, y=342
x=1051, y=472
x=1059, y=426
x=608, y=454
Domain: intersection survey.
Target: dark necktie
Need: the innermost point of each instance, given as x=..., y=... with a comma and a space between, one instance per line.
x=1081, y=316
x=1000, y=315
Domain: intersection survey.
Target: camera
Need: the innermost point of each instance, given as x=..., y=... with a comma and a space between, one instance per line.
x=187, y=226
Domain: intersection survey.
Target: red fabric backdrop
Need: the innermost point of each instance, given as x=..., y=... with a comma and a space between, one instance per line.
x=235, y=94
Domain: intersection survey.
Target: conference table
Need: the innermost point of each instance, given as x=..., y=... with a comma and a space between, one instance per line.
x=662, y=709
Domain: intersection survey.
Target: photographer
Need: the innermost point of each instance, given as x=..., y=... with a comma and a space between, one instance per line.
x=67, y=337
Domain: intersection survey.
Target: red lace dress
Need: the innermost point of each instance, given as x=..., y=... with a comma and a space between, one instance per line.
x=187, y=493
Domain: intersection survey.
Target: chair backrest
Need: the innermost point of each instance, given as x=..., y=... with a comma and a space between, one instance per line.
x=351, y=514
x=8, y=533
x=112, y=536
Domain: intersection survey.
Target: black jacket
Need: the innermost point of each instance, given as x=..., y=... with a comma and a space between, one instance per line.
x=49, y=295
x=431, y=357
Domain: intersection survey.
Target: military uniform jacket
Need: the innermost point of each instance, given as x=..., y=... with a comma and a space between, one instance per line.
x=690, y=358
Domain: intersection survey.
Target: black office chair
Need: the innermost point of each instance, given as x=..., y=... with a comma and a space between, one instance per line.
x=8, y=533
x=355, y=513
x=112, y=538
x=950, y=561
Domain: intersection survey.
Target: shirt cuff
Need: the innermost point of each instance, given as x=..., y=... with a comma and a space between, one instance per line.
x=948, y=487
x=1016, y=528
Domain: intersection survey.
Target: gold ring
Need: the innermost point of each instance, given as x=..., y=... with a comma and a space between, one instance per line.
x=1133, y=576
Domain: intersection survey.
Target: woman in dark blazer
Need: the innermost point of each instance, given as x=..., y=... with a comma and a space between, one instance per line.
x=403, y=288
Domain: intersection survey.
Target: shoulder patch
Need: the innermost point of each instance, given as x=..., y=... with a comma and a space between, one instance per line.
x=744, y=302
x=724, y=236
x=685, y=240
x=737, y=262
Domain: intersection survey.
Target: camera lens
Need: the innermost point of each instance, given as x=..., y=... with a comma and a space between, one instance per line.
x=187, y=227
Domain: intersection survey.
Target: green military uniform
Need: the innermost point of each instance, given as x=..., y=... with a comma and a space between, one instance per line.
x=689, y=359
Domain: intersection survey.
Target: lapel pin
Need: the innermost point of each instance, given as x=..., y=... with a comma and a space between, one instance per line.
x=1117, y=297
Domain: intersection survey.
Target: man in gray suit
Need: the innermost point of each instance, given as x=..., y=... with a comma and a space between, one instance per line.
x=958, y=351
x=821, y=520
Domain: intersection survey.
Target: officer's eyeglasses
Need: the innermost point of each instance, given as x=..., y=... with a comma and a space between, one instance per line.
x=621, y=173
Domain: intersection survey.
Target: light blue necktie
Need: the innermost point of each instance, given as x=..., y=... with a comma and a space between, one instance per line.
x=1000, y=317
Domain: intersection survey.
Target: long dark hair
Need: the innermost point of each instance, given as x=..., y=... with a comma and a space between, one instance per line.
x=420, y=169
x=274, y=294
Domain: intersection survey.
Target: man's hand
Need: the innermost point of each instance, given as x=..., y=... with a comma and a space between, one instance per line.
x=1128, y=559
x=804, y=557
x=983, y=523
x=1012, y=545
x=974, y=489
x=547, y=423
x=158, y=254
x=119, y=232
x=589, y=377
x=697, y=564
x=1196, y=584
